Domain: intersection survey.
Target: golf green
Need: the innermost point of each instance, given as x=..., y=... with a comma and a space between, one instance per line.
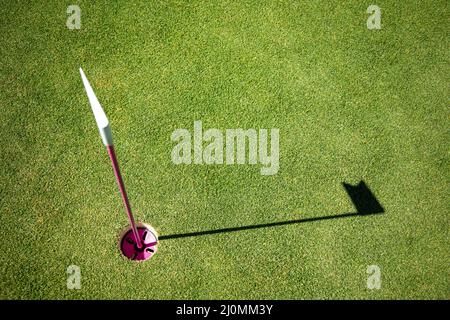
x=351, y=104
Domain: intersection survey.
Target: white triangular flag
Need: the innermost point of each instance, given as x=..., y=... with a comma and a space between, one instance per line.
x=99, y=114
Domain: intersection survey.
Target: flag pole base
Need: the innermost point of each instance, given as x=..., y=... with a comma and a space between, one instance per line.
x=129, y=248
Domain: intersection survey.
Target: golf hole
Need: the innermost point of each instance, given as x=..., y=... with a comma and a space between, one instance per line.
x=129, y=248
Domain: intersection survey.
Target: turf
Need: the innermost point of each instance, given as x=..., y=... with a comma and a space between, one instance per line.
x=351, y=104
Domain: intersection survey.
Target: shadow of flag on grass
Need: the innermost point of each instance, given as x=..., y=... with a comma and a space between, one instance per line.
x=363, y=199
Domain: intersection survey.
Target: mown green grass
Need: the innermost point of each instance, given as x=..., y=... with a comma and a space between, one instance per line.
x=351, y=104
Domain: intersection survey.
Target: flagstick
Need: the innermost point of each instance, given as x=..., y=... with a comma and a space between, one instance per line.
x=106, y=135
x=123, y=193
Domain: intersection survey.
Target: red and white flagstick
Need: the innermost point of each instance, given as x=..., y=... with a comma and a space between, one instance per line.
x=123, y=193
x=145, y=239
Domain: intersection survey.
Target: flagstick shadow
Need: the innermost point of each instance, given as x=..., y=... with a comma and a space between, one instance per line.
x=257, y=226
x=361, y=196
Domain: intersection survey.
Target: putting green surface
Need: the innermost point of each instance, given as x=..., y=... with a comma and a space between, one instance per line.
x=351, y=104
